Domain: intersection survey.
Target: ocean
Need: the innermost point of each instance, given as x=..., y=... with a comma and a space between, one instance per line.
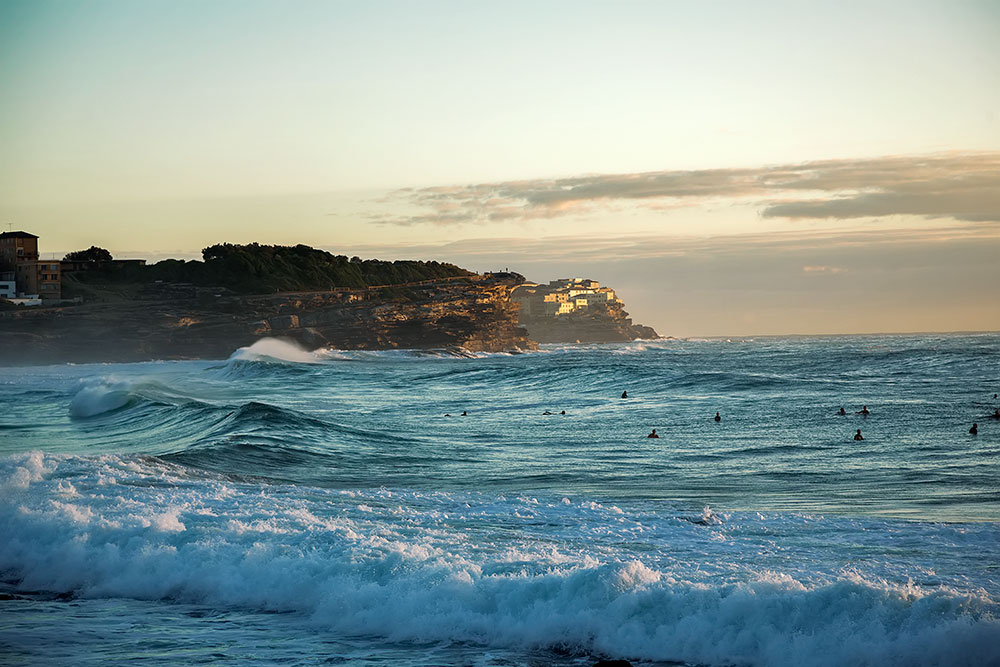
x=331, y=507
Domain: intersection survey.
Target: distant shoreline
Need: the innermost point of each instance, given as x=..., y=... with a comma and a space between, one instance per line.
x=458, y=352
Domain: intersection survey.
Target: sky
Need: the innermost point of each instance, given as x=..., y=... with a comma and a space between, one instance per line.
x=731, y=168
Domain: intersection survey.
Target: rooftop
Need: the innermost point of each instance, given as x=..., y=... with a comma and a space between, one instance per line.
x=17, y=235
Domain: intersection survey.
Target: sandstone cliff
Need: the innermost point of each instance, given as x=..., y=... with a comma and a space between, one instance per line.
x=473, y=313
x=576, y=310
x=594, y=327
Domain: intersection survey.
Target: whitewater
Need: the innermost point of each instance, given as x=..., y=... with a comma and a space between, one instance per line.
x=304, y=507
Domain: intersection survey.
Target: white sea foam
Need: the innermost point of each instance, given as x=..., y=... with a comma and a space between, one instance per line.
x=410, y=354
x=275, y=349
x=99, y=395
x=106, y=393
x=639, y=583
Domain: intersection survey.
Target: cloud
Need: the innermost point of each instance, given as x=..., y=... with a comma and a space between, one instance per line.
x=961, y=186
x=821, y=246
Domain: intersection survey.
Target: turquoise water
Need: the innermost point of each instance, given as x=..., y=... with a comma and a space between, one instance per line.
x=297, y=507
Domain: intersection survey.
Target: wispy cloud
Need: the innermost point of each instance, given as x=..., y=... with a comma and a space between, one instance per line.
x=961, y=186
x=629, y=248
x=823, y=269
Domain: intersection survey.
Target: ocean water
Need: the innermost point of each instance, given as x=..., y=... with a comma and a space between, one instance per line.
x=295, y=507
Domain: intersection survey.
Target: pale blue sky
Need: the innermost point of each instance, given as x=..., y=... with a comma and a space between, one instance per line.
x=159, y=127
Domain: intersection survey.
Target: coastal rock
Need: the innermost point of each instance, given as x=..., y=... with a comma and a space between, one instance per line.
x=576, y=310
x=284, y=322
x=472, y=313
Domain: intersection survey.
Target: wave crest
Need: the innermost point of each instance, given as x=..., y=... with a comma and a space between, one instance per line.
x=421, y=567
x=275, y=349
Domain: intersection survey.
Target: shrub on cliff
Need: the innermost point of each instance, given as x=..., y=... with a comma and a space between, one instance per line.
x=93, y=254
x=256, y=268
x=267, y=268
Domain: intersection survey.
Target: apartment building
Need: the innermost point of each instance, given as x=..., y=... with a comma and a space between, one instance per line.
x=20, y=264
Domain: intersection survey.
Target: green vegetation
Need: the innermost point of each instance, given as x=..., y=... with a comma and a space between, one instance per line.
x=255, y=268
x=93, y=254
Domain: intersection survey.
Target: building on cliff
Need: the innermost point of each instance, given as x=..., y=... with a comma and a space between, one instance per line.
x=564, y=297
x=575, y=310
x=33, y=278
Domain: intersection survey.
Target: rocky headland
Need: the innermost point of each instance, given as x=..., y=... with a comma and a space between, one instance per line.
x=576, y=310
x=466, y=313
x=239, y=294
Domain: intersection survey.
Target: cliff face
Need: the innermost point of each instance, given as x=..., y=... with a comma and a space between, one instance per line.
x=575, y=310
x=471, y=313
x=593, y=327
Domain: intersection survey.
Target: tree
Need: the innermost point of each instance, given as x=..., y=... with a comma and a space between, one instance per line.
x=92, y=254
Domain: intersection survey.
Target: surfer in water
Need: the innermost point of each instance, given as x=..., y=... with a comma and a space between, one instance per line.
x=842, y=411
x=858, y=436
x=718, y=417
x=863, y=411
x=464, y=414
x=974, y=430
x=546, y=413
x=624, y=394
x=653, y=434
x=996, y=414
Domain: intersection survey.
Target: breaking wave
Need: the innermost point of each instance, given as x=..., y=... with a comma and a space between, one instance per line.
x=273, y=349
x=514, y=502
x=492, y=570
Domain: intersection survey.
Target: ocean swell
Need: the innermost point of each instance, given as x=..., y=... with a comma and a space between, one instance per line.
x=96, y=398
x=493, y=570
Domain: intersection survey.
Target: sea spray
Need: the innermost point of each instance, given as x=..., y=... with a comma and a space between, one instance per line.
x=421, y=567
x=275, y=349
x=342, y=495
x=100, y=396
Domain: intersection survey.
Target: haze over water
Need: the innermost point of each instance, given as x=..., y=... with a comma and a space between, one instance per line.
x=180, y=504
